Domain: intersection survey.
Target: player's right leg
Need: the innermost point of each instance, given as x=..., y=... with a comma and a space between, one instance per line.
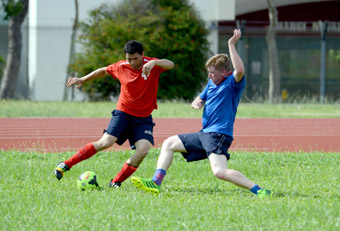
x=105, y=142
x=146, y=185
x=170, y=145
x=84, y=153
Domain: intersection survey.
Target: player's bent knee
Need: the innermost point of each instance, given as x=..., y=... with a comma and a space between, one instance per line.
x=102, y=144
x=167, y=143
x=143, y=151
x=142, y=147
x=220, y=174
x=171, y=142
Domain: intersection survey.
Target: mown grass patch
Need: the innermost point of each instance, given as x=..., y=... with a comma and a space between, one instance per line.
x=306, y=186
x=22, y=108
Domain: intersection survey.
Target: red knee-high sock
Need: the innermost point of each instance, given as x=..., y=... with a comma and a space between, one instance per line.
x=126, y=171
x=86, y=152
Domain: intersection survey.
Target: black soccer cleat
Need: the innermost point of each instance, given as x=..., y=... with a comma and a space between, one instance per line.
x=60, y=170
x=114, y=184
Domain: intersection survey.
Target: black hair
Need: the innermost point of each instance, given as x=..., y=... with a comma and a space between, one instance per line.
x=133, y=46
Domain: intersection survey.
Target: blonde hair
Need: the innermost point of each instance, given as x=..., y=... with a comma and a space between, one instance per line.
x=220, y=62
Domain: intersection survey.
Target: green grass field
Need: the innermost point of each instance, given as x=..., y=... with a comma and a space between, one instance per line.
x=306, y=185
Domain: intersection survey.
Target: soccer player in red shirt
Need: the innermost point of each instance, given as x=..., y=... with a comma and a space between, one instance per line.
x=132, y=119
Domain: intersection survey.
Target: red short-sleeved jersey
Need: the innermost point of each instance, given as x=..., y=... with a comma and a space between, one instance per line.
x=138, y=95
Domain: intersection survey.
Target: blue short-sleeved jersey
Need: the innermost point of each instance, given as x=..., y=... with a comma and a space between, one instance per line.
x=221, y=105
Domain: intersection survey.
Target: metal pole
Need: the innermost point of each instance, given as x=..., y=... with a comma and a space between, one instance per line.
x=323, y=30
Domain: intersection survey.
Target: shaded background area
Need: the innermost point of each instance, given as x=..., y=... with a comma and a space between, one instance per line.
x=44, y=67
x=299, y=46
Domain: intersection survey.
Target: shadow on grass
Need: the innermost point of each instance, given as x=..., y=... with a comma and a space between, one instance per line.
x=242, y=192
x=302, y=195
x=206, y=191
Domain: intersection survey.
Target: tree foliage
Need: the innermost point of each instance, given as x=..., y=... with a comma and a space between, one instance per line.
x=168, y=29
x=12, y=8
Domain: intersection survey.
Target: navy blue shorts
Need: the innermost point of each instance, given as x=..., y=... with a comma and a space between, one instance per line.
x=125, y=126
x=200, y=145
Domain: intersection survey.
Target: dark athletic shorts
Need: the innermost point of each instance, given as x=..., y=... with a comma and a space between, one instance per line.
x=125, y=126
x=200, y=145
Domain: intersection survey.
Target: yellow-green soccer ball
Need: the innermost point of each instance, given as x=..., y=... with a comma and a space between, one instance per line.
x=87, y=181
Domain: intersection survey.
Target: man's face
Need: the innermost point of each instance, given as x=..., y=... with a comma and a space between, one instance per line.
x=135, y=60
x=215, y=75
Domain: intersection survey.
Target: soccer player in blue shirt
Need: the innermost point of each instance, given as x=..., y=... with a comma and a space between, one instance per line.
x=220, y=99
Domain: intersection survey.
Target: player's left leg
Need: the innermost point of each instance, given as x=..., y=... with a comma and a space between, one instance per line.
x=139, y=131
x=220, y=169
x=142, y=149
x=132, y=164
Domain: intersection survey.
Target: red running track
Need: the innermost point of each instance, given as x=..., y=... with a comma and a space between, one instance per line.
x=258, y=135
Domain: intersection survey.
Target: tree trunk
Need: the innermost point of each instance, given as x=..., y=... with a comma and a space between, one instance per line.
x=13, y=61
x=72, y=52
x=274, y=67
